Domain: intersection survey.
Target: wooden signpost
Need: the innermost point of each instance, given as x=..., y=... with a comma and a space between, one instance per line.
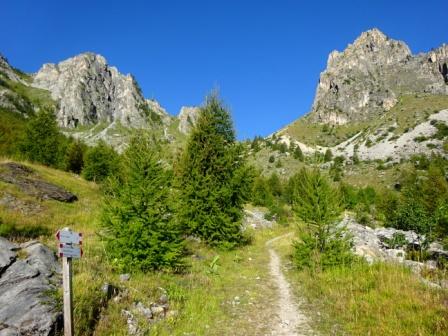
x=68, y=248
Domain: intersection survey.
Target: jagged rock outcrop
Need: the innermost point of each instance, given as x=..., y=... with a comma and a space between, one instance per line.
x=9, y=99
x=187, y=118
x=26, y=281
x=154, y=106
x=7, y=71
x=90, y=91
x=366, y=79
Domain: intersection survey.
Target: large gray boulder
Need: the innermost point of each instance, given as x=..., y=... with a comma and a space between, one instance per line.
x=26, y=283
x=28, y=182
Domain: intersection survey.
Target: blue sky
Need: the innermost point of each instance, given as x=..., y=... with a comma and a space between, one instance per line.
x=264, y=56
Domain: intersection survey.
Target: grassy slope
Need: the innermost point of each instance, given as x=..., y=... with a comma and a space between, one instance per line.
x=407, y=113
x=369, y=300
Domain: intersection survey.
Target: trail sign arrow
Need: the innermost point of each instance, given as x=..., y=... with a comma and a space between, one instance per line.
x=69, y=251
x=67, y=236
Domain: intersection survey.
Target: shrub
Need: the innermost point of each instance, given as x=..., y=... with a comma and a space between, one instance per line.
x=74, y=157
x=272, y=159
x=42, y=140
x=328, y=155
x=298, y=154
x=100, y=162
x=321, y=243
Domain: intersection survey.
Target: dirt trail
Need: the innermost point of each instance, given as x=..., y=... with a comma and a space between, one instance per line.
x=292, y=321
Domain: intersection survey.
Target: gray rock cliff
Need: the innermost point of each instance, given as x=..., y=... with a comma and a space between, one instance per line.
x=90, y=91
x=187, y=118
x=367, y=78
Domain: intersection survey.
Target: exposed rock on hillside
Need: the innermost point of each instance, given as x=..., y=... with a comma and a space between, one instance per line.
x=7, y=71
x=187, y=118
x=29, y=183
x=367, y=78
x=25, y=283
x=90, y=91
x=154, y=106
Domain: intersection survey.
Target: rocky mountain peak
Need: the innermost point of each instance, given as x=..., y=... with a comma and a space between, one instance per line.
x=366, y=79
x=7, y=71
x=188, y=116
x=90, y=91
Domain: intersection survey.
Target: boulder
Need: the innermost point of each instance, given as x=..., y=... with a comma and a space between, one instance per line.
x=255, y=219
x=30, y=183
x=26, y=306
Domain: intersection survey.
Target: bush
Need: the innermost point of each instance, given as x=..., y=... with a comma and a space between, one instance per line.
x=74, y=157
x=298, y=154
x=42, y=142
x=138, y=213
x=100, y=162
x=321, y=243
x=272, y=159
x=328, y=155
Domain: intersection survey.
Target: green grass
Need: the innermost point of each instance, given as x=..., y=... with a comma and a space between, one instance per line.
x=12, y=126
x=375, y=300
x=382, y=299
x=407, y=113
x=412, y=110
x=317, y=134
x=37, y=97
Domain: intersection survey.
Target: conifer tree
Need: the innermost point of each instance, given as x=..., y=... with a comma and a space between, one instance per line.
x=316, y=203
x=42, y=139
x=100, y=162
x=138, y=215
x=213, y=179
x=298, y=154
x=74, y=157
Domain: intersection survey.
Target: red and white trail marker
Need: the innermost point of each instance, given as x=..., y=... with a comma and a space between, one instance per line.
x=69, y=251
x=67, y=236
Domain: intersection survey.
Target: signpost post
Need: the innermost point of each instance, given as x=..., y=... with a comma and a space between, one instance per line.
x=68, y=248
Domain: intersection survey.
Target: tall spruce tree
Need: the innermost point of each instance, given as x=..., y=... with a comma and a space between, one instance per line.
x=138, y=213
x=213, y=179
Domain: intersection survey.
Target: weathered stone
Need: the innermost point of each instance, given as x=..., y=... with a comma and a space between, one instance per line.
x=145, y=311
x=25, y=307
x=7, y=255
x=255, y=219
x=187, y=118
x=90, y=91
x=366, y=79
x=131, y=322
x=157, y=310
x=110, y=290
x=7, y=71
x=24, y=178
x=436, y=250
x=163, y=299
